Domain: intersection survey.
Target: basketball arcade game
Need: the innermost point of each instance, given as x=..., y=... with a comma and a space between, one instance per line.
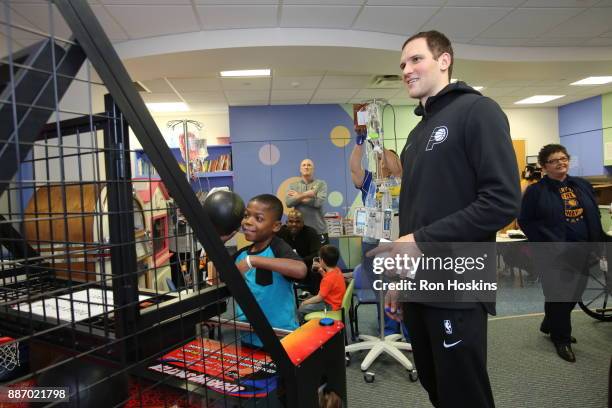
x=122, y=326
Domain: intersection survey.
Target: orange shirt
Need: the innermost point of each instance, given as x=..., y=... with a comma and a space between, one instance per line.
x=332, y=288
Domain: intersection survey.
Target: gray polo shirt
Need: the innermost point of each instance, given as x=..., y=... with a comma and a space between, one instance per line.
x=311, y=209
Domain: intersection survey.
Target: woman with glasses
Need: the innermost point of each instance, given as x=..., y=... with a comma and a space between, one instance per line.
x=561, y=210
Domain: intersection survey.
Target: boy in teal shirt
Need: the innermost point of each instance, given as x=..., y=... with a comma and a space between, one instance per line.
x=269, y=265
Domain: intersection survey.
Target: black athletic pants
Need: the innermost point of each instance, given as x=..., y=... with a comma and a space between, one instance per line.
x=558, y=321
x=450, y=354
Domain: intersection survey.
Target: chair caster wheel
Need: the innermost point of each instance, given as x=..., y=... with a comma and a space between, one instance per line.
x=347, y=359
x=413, y=375
x=369, y=377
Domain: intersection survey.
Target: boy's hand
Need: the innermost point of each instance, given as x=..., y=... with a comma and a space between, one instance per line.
x=292, y=193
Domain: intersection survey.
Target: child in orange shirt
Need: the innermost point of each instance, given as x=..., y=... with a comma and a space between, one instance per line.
x=332, y=286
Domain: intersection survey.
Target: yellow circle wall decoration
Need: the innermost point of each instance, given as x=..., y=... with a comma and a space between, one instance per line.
x=340, y=136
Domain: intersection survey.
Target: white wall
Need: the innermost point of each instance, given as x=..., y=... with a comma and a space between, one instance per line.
x=538, y=126
x=216, y=126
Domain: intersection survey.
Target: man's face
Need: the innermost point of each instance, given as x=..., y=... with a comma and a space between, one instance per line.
x=306, y=168
x=258, y=223
x=295, y=223
x=423, y=76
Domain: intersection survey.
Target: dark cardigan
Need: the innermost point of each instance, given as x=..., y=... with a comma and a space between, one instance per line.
x=542, y=212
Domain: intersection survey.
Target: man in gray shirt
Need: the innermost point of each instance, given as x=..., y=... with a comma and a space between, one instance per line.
x=307, y=196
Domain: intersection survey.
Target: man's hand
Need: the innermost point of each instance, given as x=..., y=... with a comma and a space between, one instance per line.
x=292, y=193
x=392, y=306
x=404, y=246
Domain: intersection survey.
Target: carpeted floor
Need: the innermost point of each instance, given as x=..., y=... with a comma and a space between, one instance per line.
x=524, y=368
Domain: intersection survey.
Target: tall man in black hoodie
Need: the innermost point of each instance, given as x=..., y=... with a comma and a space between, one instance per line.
x=460, y=183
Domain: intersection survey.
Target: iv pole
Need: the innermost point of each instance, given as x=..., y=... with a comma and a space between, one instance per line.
x=192, y=244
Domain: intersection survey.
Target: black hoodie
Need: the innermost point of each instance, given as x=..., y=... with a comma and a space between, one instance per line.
x=460, y=180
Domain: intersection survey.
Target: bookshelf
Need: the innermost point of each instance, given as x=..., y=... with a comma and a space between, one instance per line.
x=218, y=165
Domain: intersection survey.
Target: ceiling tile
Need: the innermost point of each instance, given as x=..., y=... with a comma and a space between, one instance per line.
x=507, y=101
x=253, y=102
x=601, y=41
x=528, y=22
x=592, y=22
x=554, y=42
x=393, y=19
x=326, y=2
x=17, y=20
x=402, y=101
x=233, y=96
x=195, y=84
x=466, y=22
x=158, y=86
x=405, y=2
x=110, y=26
x=145, y=2
x=375, y=93
x=533, y=90
x=160, y=97
x=345, y=81
x=199, y=97
x=318, y=16
x=38, y=15
x=328, y=101
x=291, y=94
x=218, y=17
x=245, y=84
x=289, y=101
x=295, y=82
x=560, y=3
x=499, y=42
x=243, y=2
x=485, y=3
x=152, y=21
x=516, y=82
x=342, y=94
x=500, y=91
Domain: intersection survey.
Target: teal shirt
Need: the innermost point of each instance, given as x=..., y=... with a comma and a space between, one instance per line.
x=273, y=291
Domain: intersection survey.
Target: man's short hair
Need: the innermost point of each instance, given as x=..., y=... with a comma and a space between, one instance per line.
x=273, y=203
x=438, y=44
x=330, y=255
x=549, y=149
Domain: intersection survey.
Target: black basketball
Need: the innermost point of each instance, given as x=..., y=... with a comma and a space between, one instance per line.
x=226, y=210
x=80, y=376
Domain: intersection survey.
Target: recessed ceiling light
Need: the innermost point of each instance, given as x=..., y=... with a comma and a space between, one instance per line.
x=478, y=88
x=538, y=99
x=453, y=80
x=246, y=73
x=168, y=107
x=594, y=80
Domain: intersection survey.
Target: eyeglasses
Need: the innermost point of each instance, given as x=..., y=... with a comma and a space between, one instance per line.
x=559, y=160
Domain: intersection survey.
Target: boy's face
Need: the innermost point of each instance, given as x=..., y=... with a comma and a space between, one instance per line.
x=259, y=223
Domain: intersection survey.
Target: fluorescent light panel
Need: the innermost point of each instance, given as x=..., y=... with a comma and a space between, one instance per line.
x=594, y=80
x=478, y=88
x=538, y=99
x=246, y=73
x=168, y=107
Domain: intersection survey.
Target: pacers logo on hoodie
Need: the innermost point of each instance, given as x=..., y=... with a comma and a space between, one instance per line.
x=438, y=135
